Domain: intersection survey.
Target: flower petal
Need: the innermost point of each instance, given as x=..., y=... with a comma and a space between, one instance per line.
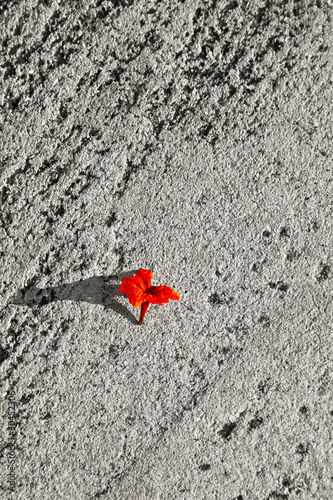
x=135, y=287
x=161, y=295
x=143, y=277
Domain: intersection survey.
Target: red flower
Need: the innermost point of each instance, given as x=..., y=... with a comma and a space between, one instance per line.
x=140, y=292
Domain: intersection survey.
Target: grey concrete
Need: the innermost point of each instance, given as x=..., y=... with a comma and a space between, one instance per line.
x=192, y=138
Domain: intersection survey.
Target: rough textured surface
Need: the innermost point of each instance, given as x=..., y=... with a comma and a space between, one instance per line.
x=192, y=138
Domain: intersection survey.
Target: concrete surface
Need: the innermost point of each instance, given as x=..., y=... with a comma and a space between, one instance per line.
x=192, y=138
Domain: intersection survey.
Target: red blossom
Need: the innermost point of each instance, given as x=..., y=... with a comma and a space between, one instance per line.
x=140, y=291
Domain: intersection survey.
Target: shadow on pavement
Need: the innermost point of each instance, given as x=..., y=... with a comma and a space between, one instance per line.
x=100, y=290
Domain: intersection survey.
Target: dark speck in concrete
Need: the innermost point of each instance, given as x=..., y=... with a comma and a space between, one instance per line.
x=227, y=430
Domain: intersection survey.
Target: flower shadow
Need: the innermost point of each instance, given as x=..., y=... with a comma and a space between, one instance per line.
x=100, y=290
